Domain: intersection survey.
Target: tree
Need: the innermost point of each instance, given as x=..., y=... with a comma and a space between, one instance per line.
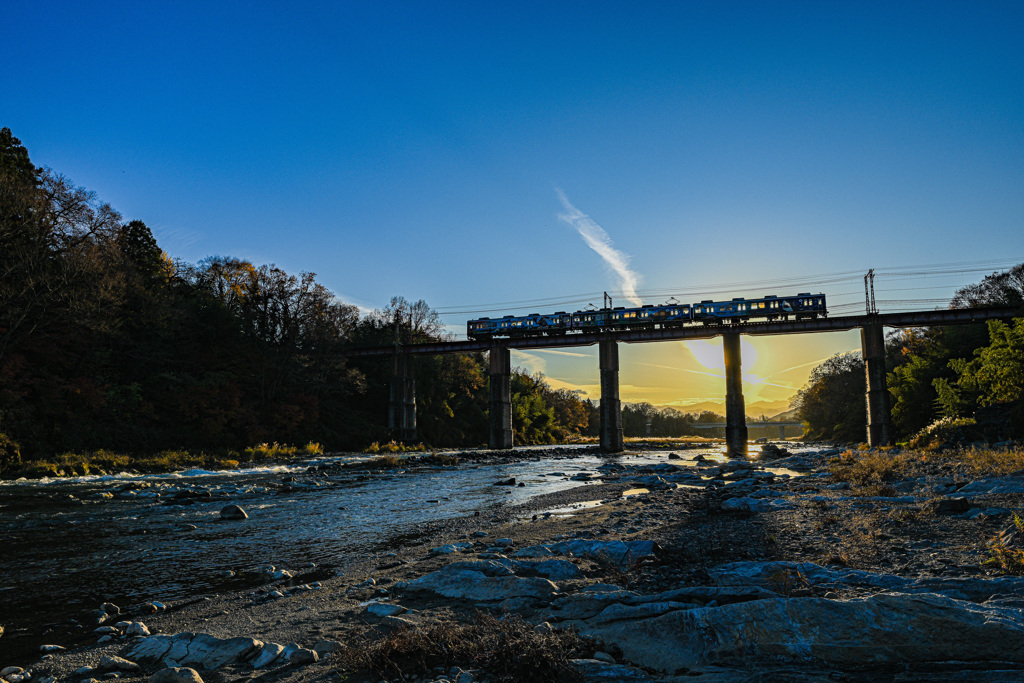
x=832, y=404
x=997, y=289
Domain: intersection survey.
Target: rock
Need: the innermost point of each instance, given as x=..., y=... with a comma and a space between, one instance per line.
x=950, y=505
x=674, y=456
x=557, y=570
x=270, y=653
x=622, y=553
x=107, y=631
x=450, y=548
x=599, y=671
x=382, y=609
x=136, y=628
x=604, y=657
x=182, y=674
x=110, y=608
x=888, y=629
x=233, y=512
x=49, y=649
x=506, y=482
x=195, y=649
x=475, y=586
x=114, y=663
x=769, y=574
x=303, y=656
x=10, y=670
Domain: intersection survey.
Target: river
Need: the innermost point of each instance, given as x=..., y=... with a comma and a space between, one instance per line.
x=71, y=544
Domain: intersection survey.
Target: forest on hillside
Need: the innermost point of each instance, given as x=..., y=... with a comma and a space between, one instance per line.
x=106, y=342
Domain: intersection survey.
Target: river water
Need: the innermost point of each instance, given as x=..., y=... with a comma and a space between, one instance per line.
x=68, y=546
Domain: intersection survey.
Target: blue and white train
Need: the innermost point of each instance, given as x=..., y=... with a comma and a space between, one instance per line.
x=799, y=307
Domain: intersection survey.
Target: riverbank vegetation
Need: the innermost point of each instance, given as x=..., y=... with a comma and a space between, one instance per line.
x=951, y=385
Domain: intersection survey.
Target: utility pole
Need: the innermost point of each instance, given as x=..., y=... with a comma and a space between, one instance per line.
x=869, y=292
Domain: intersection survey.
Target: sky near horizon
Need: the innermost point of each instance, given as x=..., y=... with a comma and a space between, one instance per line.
x=496, y=158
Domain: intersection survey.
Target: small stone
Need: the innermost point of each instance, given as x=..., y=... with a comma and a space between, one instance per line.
x=107, y=631
x=604, y=657
x=136, y=628
x=83, y=671
x=110, y=608
x=10, y=670
x=114, y=663
x=381, y=609
x=105, y=639
x=181, y=674
x=303, y=656
x=47, y=649
x=233, y=512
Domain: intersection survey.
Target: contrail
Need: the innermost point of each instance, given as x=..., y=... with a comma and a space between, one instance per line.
x=598, y=240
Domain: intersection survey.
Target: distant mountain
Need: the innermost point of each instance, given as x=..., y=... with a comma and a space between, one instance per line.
x=773, y=409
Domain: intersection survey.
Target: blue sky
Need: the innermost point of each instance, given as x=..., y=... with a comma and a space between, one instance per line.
x=429, y=149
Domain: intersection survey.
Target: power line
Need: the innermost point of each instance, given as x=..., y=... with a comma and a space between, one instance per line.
x=890, y=273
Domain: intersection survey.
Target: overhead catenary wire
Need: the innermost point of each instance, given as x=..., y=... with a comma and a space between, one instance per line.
x=683, y=293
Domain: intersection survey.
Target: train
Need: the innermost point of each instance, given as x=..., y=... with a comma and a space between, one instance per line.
x=672, y=314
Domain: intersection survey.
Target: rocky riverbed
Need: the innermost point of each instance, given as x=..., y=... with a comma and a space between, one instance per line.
x=674, y=569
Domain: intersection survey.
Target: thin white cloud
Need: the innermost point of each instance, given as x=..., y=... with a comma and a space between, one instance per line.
x=529, y=362
x=598, y=240
x=812, y=362
x=564, y=353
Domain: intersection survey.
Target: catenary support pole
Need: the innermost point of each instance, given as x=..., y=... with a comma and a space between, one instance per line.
x=500, y=411
x=872, y=339
x=402, y=398
x=611, y=407
x=735, y=409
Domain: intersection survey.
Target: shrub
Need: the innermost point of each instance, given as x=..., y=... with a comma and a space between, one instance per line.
x=10, y=452
x=507, y=648
x=948, y=430
x=1003, y=550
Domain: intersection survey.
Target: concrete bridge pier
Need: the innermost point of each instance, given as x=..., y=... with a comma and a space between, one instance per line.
x=402, y=398
x=735, y=408
x=611, y=406
x=872, y=340
x=500, y=411
x=782, y=433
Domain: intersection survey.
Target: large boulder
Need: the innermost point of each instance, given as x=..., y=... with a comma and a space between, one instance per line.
x=882, y=630
x=466, y=584
x=199, y=650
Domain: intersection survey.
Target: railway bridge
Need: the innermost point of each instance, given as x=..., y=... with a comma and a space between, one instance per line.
x=402, y=405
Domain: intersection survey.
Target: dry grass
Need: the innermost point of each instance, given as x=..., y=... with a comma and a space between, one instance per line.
x=871, y=472
x=394, y=447
x=1004, y=551
x=106, y=462
x=508, y=649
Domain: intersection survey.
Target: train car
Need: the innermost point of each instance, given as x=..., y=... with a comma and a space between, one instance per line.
x=515, y=326
x=801, y=306
x=673, y=314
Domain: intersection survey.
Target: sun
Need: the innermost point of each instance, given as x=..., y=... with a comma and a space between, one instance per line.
x=709, y=352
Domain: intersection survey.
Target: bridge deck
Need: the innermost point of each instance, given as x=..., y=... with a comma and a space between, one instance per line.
x=957, y=316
